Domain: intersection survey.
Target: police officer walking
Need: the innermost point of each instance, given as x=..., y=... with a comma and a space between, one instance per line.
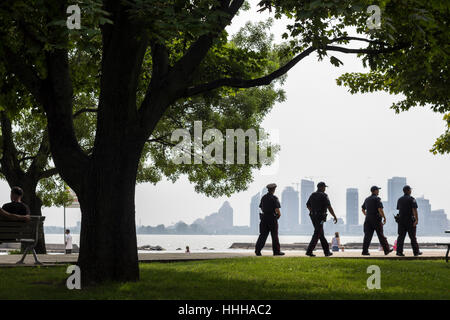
x=270, y=206
x=318, y=204
x=375, y=219
x=407, y=222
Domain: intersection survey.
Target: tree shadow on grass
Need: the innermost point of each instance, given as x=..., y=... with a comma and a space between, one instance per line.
x=252, y=278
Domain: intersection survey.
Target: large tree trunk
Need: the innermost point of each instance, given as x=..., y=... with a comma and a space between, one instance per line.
x=108, y=247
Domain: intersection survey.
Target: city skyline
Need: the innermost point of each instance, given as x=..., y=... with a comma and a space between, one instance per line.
x=432, y=222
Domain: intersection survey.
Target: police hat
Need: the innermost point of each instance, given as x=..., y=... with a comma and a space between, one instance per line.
x=321, y=184
x=374, y=188
x=406, y=188
x=271, y=185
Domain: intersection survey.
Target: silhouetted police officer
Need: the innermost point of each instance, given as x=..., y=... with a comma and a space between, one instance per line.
x=373, y=210
x=270, y=206
x=318, y=204
x=407, y=222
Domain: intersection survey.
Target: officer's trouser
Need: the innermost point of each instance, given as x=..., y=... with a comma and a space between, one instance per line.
x=268, y=224
x=403, y=228
x=371, y=224
x=317, y=221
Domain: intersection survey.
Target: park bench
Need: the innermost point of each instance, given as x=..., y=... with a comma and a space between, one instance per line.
x=23, y=232
x=445, y=244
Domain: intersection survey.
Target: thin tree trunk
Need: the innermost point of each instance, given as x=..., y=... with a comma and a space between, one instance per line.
x=34, y=202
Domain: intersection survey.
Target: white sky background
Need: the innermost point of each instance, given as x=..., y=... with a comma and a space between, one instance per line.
x=326, y=134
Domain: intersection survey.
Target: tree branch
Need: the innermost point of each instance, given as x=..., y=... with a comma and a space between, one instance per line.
x=198, y=50
x=67, y=154
x=9, y=161
x=160, y=62
x=84, y=110
x=41, y=158
x=48, y=173
x=157, y=139
x=265, y=80
x=365, y=50
x=241, y=83
x=349, y=38
x=26, y=158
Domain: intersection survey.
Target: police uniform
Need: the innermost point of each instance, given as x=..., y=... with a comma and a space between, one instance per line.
x=373, y=223
x=318, y=202
x=406, y=220
x=268, y=223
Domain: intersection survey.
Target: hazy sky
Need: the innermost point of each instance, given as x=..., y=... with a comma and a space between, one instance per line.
x=325, y=134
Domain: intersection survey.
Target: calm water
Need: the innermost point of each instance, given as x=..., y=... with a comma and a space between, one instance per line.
x=221, y=243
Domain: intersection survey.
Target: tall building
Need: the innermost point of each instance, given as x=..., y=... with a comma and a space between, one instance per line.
x=438, y=223
x=218, y=222
x=424, y=211
x=226, y=213
x=289, y=210
x=306, y=188
x=352, y=207
x=431, y=222
x=395, y=191
x=254, y=213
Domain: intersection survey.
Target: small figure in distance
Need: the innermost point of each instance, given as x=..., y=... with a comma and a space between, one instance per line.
x=336, y=243
x=187, y=250
x=375, y=219
x=318, y=204
x=270, y=206
x=68, y=242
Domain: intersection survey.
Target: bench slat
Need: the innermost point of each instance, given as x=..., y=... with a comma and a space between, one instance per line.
x=16, y=240
x=15, y=223
x=15, y=235
x=13, y=229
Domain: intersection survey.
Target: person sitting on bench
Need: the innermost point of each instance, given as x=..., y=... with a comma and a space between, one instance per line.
x=5, y=215
x=15, y=210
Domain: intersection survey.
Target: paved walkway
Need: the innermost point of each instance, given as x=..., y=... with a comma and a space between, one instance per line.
x=54, y=259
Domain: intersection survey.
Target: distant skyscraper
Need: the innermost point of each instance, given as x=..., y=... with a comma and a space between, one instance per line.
x=218, y=222
x=424, y=209
x=352, y=207
x=226, y=213
x=289, y=210
x=264, y=191
x=307, y=187
x=431, y=222
x=424, y=212
x=438, y=223
x=395, y=191
x=254, y=213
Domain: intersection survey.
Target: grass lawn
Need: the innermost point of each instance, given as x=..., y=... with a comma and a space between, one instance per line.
x=245, y=278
